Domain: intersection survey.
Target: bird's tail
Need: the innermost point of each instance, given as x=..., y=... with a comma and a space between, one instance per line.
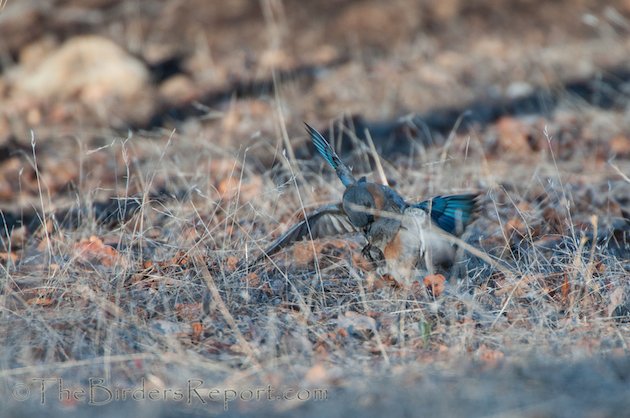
x=331, y=157
x=452, y=213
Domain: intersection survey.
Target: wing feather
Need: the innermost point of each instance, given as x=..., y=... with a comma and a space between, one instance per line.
x=452, y=213
x=326, y=221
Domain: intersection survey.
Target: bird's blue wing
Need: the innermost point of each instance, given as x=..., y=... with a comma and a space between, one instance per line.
x=451, y=213
x=325, y=150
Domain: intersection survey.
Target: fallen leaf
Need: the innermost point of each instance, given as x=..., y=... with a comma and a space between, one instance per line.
x=93, y=250
x=489, y=356
x=517, y=225
x=342, y=332
x=565, y=288
x=303, y=252
x=197, y=330
x=252, y=279
x=512, y=136
x=41, y=301
x=435, y=284
x=228, y=187
x=232, y=263
x=620, y=146
x=12, y=257
x=180, y=259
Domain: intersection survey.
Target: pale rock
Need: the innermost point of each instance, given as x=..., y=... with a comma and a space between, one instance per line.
x=91, y=68
x=178, y=89
x=32, y=55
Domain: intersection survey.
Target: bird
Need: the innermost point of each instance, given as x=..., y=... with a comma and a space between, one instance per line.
x=402, y=237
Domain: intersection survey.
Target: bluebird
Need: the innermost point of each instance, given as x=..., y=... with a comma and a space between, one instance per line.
x=401, y=236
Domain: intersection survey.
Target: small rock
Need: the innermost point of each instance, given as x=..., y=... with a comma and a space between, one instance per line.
x=519, y=89
x=357, y=325
x=89, y=67
x=32, y=55
x=178, y=90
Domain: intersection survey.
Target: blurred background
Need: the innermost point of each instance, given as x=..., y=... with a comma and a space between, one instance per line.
x=201, y=65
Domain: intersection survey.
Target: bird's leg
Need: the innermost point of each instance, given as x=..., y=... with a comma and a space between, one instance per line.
x=372, y=254
x=366, y=252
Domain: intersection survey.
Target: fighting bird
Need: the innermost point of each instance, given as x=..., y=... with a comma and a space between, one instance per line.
x=401, y=236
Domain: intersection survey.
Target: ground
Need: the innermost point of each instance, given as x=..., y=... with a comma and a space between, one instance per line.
x=150, y=151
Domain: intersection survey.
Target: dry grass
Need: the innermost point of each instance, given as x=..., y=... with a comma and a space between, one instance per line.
x=159, y=296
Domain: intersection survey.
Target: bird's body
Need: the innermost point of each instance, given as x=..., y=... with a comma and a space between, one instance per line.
x=418, y=243
x=401, y=236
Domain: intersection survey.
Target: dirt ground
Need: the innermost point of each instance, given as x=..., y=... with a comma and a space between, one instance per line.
x=149, y=151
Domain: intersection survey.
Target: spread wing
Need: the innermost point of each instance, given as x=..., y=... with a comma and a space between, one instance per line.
x=326, y=221
x=452, y=213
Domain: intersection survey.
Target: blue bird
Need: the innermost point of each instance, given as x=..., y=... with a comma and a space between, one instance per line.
x=401, y=236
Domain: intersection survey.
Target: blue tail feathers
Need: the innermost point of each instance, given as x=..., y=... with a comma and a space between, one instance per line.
x=451, y=213
x=323, y=147
x=326, y=151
